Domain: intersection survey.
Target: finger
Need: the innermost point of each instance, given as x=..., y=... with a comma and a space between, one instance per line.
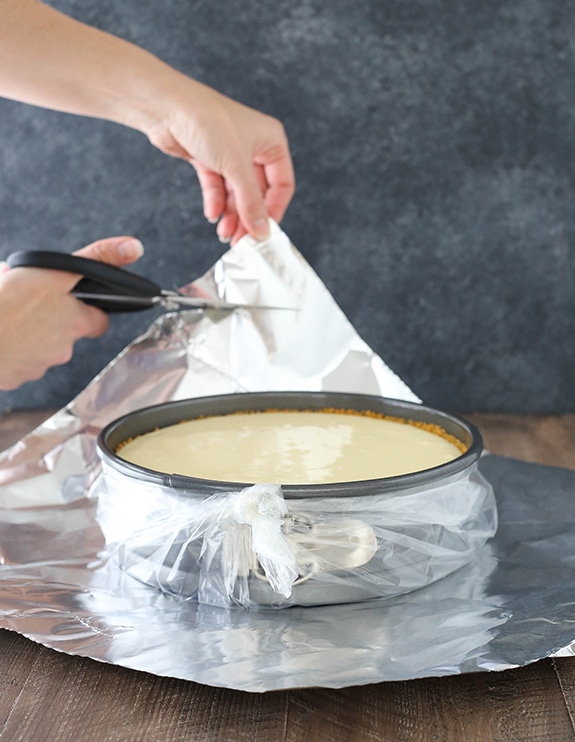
x=238, y=234
x=263, y=185
x=116, y=251
x=279, y=193
x=227, y=227
x=79, y=320
x=229, y=220
x=280, y=181
x=248, y=200
x=98, y=328
x=92, y=322
x=253, y=215
x=240, y=231
x=214, y=194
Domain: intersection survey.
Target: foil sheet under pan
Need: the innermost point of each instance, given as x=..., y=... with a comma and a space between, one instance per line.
x=510, y=606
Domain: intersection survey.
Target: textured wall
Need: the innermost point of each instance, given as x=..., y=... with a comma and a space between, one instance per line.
x=435, y=153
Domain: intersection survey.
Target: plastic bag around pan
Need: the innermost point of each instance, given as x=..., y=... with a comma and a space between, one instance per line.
x=253, y=547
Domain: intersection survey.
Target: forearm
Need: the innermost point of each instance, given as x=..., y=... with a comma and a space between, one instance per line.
x=51, y=60
x=242, y=156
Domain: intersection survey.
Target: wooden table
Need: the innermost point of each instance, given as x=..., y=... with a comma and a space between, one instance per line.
x=45, y=695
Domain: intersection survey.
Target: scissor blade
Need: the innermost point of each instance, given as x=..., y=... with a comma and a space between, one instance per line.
x=191, y=301
x=146, y=302
x=170, y=302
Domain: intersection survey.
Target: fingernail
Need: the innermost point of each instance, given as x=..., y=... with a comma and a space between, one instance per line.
x=224, y=238
x=261, y=230
x=213, y=219
x=4, y=266
x=131, y=249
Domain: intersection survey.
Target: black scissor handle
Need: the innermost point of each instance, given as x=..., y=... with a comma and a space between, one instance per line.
x=98, y=278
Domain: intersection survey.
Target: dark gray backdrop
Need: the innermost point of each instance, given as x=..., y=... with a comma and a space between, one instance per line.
x=435, y=154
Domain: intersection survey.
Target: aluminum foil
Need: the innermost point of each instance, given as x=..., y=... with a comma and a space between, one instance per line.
x=510, y=606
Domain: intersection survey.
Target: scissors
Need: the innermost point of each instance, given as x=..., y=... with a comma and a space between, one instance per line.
x=116, y=289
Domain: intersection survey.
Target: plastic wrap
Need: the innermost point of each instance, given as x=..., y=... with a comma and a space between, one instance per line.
x=253, y=547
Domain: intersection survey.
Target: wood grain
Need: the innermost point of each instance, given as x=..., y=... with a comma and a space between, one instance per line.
x=543, y=439
x=15, y=425
x=53, y=697
x=481, y=706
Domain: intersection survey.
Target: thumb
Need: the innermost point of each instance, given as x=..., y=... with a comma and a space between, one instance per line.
x=116, y=251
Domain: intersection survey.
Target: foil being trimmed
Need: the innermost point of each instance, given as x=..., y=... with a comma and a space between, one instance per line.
x=511, y=605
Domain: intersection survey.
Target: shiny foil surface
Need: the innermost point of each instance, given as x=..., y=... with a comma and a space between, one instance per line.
x=513, y=604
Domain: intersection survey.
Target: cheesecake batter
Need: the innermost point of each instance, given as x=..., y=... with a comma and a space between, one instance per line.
x=292, y=447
